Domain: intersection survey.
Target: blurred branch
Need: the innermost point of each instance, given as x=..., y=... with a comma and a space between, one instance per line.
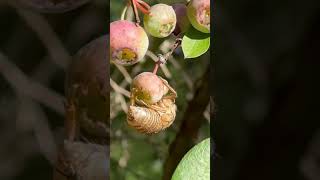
x=22, y=84
x=163, y=67
x=31, y=113
x=124, y=72
x=119, y=89
x=185, y=75
x=46, y=34
x=189, y=129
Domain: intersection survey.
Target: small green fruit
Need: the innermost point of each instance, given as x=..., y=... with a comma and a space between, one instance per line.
x=161, y=20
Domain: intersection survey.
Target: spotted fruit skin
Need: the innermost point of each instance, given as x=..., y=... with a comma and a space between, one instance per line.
x=148, y=87
x=183, y=22
x=198, y=12
x=128, y=42
x=161, y=21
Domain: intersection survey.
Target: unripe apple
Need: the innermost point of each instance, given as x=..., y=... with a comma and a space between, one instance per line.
x=199, y=15
x=129, y=42
x=161, y=20
x=148, y=87
x=183, y=22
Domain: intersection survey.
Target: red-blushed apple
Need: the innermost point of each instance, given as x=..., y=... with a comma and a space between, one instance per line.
x=148, y=87
x=128, y=42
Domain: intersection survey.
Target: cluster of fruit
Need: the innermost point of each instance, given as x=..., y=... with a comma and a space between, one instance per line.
x=153, y=106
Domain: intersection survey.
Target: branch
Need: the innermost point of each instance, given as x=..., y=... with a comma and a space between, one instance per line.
x=22, y=84
x=162, y=59
x=119, y=89
x=187, y=136
x=47, y=36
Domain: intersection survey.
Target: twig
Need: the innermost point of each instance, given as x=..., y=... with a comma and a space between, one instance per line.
x=122, y=102
x=123, y=13
x=135, y=11
x=45, y=33
x=119, y=89
x=163, y=67
x=124, y=72
x=185, y=75
x=31, y=113
x=188, y=133
x=21, y=83
x=164, y=58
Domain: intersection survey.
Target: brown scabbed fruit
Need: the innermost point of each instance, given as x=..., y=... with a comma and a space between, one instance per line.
x=129, y=42
x=198, y=12
x=87, y=89
x=148, y=87
x=183, y=22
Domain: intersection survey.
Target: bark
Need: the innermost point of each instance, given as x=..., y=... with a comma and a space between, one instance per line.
x=188, y=133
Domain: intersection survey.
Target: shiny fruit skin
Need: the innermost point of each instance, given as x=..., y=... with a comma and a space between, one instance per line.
x=148, y=87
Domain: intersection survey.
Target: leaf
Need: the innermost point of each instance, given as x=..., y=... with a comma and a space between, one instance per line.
x=195, y=165
x=195, y=43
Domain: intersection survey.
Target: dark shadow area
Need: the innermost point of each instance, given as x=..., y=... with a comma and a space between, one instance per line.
x=266, y=90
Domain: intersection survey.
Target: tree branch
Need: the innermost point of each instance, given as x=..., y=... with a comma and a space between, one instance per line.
x=187, y=136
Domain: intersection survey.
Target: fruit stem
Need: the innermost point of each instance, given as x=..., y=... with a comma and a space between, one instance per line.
x=156, y=67
x=162, y=59
x=135, y=10
x=124, y=11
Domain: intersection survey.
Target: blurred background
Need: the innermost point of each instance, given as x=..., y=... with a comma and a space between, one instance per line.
x=264, y=82
x=37, y=40
x=136, y=156
x=266, y=90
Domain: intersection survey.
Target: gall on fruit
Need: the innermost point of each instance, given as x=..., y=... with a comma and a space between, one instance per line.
x=183, y=22
x=161, y=21
x=128, y=42
x=148, y=88
x=198, y=12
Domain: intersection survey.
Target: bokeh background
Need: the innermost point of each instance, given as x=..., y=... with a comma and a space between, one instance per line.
x=266, y=89
x=35, y=49
x=136, y=156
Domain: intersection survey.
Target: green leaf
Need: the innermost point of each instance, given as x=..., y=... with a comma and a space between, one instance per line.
x=195, y=43
x=195, y=165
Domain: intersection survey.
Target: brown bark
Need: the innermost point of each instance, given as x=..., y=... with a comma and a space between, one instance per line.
x=193, y=117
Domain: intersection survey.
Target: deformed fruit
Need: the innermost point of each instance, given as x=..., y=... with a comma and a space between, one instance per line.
x=198, y=12
x=161, y=20
x=148, y=87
